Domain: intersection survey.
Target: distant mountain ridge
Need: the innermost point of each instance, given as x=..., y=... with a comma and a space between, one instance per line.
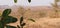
x=34, y=8
x=4, y=6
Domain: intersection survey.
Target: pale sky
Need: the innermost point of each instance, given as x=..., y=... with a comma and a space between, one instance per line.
x=25, y=2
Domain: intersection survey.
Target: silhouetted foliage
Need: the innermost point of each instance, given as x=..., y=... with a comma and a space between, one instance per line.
x=15, y=1
x=9, y=19
x=18, y=26
x=6, y=12
x=21, y=20
x=22, y=24
x=6, y=19
x=29, y=1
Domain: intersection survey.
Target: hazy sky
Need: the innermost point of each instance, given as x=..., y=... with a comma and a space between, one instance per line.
x=25, y=2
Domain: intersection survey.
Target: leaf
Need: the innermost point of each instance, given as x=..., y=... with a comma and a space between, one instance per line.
x=31, y=20
x=15, y=1
x=9, y=19
x=29, y=1
x=23, y=24
x=21, y=19
x=18, y=26
x=1, y=25
x=6, y=12
x=8, y=26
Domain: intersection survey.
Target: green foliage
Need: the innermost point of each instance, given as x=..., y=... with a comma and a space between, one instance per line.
x=9, y=19
x=1, y=25
x=8, y=26
x=29, y=1
x=6, y=12
x=6, y=19
x=15, y=1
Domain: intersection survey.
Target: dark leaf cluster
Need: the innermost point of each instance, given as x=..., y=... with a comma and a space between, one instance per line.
x=6, y=19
